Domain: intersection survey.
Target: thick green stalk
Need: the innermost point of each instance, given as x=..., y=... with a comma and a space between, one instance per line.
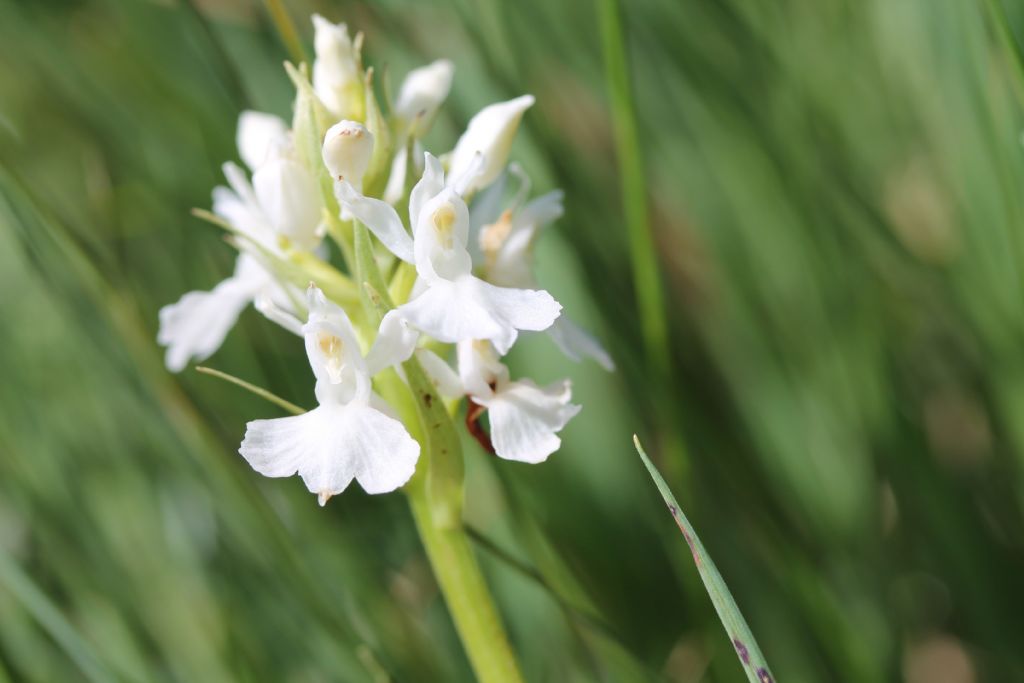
x=468, y=598
x=436, y=492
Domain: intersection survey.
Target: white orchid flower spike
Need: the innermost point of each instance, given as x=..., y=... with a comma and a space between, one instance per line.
x=506, y=246
x=453, y=305
x=525, y=418
x=281, y=201
x=345, y=437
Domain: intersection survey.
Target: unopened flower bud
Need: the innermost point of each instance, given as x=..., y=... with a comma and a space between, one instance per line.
x=422, y=92
x=490, y=134
x=288, y=195
x=336, y=69
x=346, y=151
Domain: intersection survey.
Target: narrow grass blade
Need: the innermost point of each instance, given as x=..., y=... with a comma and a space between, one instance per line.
x=1014, y=55
x=646, y=278
x=50, y=618
x=286, y=29
x=259, y=391
x=223, y=63
x=739, y=633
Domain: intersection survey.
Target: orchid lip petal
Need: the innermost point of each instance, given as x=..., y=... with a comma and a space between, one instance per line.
x=330, y=446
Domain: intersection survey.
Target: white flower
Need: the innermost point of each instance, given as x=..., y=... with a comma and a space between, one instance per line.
x=345, y=437
x=336, y=69
x=347, y=149
x=507, y=243
x=525, y=418
x=489, y=133
x=506, y=248
x=282, y=200
x=422, y=93
x=452, y=305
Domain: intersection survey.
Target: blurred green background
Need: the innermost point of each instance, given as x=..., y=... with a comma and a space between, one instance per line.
x=836, y=189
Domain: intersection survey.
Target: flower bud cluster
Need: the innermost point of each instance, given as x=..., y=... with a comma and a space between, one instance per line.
x=454, y=234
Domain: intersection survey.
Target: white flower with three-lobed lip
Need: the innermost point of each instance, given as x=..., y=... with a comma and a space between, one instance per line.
x=348, y=435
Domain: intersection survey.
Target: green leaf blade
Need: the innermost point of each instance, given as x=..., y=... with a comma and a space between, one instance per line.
x=750, y=656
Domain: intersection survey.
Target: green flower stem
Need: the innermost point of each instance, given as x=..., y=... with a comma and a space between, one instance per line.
x=436, y=492
x=466, y=594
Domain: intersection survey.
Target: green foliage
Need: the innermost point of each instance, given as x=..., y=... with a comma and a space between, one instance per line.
x=835, y=197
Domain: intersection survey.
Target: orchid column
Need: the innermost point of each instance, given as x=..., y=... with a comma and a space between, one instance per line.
x=381, y=318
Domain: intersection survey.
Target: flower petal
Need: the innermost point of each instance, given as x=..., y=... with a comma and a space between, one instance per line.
x=195, y=326
x=480, y=369
x=273, y=311
x=525, y=419
x=469, y=308
x=258, y=133
x=485, y=209
x=237, y=205
x=331, y=445
x=428, y=187
x=511, y=261
x=346, y=151
x=490, y=133
x=422, y=92
x=288, y=195
x=540, y=211
x=519, y=309
x=333, y=351
x=388, y=454
x=394, y=344
x=335, y=69
x=439, y=238
x=379, y=217
x=395, y=187
x=445, y=312
x=577, y=343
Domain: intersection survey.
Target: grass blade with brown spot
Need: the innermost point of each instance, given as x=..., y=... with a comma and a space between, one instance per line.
x=736, y=628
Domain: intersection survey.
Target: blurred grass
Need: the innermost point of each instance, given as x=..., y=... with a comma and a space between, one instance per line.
x=837, y=195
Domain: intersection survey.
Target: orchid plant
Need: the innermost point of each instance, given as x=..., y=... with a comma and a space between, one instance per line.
x=383, y=305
